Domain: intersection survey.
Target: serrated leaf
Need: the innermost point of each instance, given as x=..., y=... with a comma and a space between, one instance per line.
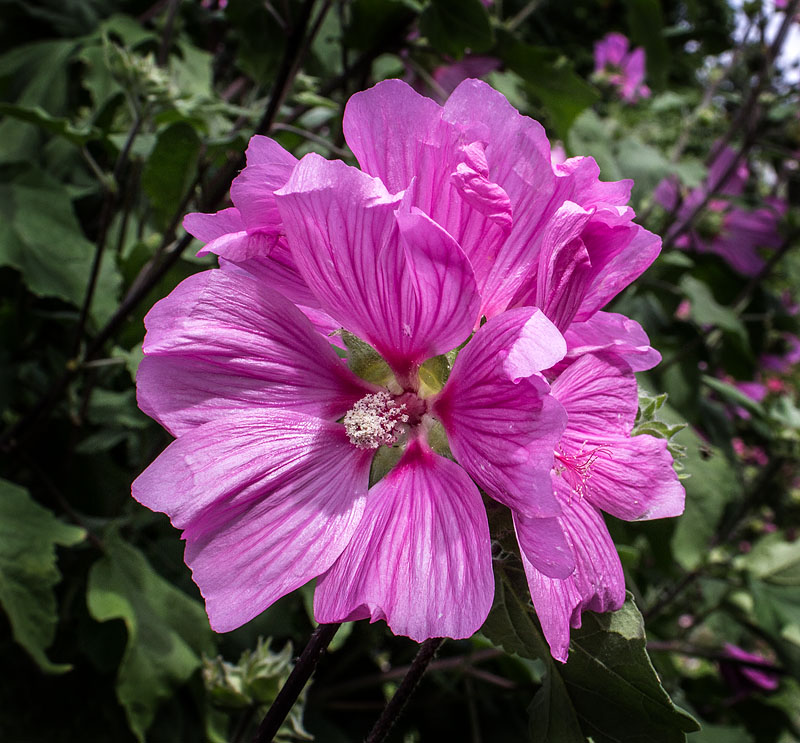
x=167, y=630
x=608, y=689
x=29, y=534
x=452, y=26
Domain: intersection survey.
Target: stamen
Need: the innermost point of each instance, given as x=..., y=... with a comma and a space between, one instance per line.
x=576, y=467
x=375, y=421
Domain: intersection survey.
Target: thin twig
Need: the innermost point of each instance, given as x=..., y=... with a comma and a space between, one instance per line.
x=301, y=673
x=166, y=37
x=407, y=686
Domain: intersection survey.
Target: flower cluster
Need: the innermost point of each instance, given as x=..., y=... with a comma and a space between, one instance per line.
x=622, y=67
x=467, y=273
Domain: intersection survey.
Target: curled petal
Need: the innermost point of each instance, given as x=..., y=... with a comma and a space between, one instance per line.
x=609, y=331
x=267, y=500
x=421, y=557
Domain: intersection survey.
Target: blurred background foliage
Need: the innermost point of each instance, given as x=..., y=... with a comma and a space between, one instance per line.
x=119, y=116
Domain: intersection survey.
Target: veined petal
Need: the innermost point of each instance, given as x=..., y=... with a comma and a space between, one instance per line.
x=597, y=584
x=393, y=277
x=518, y=156
x=620, y=253
x=631, y=478
x=610, y=331
x=421, y=557
x=267, y=500
x=599, y=394
x=222, y=343
x=252, y=191
x=397, y=134
x=501, y=424
x=543, y=544
x=208, y=227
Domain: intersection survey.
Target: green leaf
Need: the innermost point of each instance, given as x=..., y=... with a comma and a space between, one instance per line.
x=711, y=486
x=29, y=534
x=170, y=169
x=41, y=238
x=550, y=77
x=705, y=310
x=608, y=689
x=167, y=630
x=646, y=23
x=733, y=395
x=54, y=124
x=774, y=560
x=452, y=26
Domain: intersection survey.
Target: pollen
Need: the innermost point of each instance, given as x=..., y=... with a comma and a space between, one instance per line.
x=375, y=420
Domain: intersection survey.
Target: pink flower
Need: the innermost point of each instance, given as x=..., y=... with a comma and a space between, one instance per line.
x=622, y=67
x=735, y=234
x=268, y=476
x=552, y=235
x=599, y=467
x=458, y=214
x=746, y=680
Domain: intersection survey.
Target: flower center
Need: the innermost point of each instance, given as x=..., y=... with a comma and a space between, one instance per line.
x=375, y=420
x=576, y=467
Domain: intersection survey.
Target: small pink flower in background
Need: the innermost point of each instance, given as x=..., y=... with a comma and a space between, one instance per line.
x=458, y=227
x=747, y=680
x=737, y=235
x=622, y=67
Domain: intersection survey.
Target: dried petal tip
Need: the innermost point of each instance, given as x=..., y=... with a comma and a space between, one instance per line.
x=374, y=421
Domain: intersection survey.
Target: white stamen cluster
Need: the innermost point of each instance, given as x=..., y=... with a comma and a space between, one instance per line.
x=374, y=421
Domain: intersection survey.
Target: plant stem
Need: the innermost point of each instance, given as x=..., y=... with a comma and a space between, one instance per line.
x=301, y=673
x=407, y=686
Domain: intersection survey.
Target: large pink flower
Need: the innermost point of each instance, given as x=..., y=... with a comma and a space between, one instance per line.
x=268, y=477
x=599, y=467
x=458, y=227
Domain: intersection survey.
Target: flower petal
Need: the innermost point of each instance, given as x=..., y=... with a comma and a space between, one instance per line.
x=518, y=156
x=252, y=191
x=597, y=583
x=609, y=331
x=221, y=343
x=599, y=394
x=631, y=478
x=421, y=557
x=544, y=545
x=397, y=280
x=267, y=500
x=502, y=425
